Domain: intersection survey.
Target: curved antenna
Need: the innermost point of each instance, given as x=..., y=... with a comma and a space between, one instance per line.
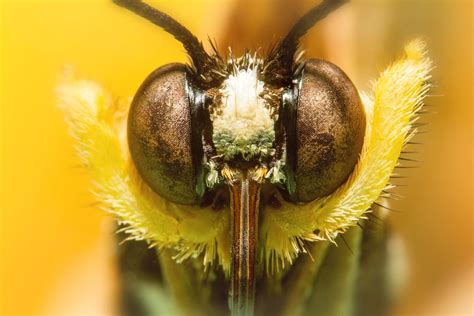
x=280, y=60
x=205, y=66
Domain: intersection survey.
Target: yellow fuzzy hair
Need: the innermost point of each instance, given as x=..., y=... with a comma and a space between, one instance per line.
x=98, y=124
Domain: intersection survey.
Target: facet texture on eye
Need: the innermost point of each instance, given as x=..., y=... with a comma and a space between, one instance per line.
x=330, y=126
x=160, y=136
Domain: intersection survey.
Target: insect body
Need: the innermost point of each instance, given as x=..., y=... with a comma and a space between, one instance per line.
x=242, y=118
x=241, y=161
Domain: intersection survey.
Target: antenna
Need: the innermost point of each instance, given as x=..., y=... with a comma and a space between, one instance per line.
x=281, y=58
x=202, y=62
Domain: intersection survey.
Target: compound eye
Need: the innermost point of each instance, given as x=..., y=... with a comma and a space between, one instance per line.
x=160, y=135
x=329, y=130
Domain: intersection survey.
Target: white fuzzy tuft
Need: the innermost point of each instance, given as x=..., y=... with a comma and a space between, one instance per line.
x=243, y=116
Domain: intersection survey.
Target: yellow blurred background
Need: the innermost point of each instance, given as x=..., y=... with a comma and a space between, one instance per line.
x=56, y=254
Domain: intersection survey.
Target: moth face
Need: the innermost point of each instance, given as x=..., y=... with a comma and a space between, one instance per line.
x=268, y=141
x=303, y=139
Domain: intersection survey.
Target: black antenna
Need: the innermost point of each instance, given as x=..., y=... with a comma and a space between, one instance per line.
x=202, y=62
x=280, y=59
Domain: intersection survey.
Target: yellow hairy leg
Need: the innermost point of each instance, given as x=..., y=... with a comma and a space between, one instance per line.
x=397, y=96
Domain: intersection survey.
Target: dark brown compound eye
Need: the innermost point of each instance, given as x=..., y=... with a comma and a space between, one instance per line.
x=160, y=135
x=326, y=131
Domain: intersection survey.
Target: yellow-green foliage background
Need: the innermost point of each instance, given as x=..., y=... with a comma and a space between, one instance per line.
x=56, y=255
